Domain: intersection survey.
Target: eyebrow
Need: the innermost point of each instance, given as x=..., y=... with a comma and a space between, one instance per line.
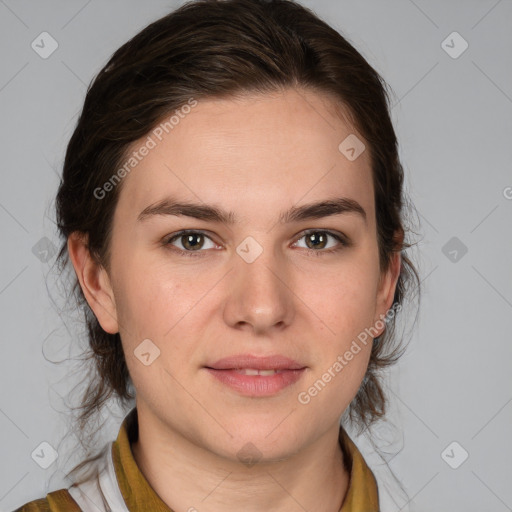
x=316, y=210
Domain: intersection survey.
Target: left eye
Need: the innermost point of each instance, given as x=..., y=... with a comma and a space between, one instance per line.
x=319, y=239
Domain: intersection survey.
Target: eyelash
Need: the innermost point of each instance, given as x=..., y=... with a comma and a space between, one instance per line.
x=344, y=242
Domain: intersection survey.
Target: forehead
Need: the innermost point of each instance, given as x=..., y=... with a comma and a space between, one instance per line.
x=276, y=149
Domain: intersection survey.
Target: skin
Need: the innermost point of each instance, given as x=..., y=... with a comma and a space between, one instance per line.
x=256, y=155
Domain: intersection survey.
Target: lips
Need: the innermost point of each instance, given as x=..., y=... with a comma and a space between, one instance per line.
x=256, y=376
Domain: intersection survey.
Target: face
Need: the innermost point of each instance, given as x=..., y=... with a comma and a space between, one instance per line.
x=275, y=277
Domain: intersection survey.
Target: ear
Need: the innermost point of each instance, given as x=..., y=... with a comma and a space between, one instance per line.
x=94, y=281
x=387, y=286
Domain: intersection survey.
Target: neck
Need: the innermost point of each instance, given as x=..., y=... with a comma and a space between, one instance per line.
x=189, y=477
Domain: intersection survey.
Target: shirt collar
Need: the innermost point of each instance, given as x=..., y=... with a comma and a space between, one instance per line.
x=362, y=493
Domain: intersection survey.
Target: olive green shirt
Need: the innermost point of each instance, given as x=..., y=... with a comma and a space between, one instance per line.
x=139, y=496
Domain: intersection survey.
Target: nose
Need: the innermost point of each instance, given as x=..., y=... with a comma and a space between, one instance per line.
x=260, y=297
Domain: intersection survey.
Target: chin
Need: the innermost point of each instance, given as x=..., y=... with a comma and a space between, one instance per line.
x=262, y=441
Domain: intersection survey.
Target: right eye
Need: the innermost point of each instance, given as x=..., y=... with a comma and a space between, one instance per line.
x=191, y=242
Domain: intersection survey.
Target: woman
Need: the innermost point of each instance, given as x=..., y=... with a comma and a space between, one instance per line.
x=231, y=204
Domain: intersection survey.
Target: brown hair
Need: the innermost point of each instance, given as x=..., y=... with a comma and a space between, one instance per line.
x=221, y=48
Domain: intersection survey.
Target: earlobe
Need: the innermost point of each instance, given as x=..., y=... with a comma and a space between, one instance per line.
x=94, y=281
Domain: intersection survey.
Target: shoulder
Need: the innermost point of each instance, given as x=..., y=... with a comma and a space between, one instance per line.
x=56, y=501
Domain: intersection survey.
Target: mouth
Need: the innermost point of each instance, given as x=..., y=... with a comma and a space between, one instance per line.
x=256, y=376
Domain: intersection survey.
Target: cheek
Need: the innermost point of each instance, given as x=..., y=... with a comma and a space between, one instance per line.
x=149, y=299
x=344, y=302
x=157, y=306
x=335, y=384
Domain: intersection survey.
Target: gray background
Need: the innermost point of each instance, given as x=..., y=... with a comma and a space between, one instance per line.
x=454, y=123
